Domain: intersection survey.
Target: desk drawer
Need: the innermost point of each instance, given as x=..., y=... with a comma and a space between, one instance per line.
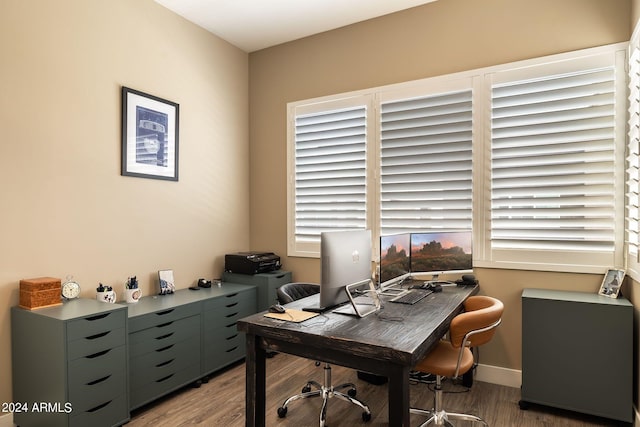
x=164, y=316
x=93, y=325
x=85, y=372
x=92, y=344
x=230, y=299
x=163, y=335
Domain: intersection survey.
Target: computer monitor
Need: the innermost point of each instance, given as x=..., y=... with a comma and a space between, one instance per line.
x=437, y=253
x=345, y=259
x=395, y=259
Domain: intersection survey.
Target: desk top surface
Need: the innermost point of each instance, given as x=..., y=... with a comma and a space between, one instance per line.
x=398, y=333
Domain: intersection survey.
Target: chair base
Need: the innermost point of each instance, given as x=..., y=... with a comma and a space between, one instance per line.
x=442, y=418
x=326, y=392
x=439, y=416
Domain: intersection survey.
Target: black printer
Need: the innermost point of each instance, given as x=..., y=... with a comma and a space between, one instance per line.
x=251, y=262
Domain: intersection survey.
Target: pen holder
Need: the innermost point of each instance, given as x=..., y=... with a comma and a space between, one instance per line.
x=132, y=295
x=106, y=296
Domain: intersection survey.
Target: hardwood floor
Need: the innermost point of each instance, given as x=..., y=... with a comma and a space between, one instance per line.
x=220, y=402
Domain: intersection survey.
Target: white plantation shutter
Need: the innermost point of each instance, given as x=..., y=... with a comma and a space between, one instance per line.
x=330, y=172
x=553, y=181
x=426, y=163
x=633, y=160
x=528, y=155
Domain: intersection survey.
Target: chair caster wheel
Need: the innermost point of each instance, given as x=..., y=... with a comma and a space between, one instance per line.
x=306, y=389
x=352, y=392
x=366, y=416
x=282, y=412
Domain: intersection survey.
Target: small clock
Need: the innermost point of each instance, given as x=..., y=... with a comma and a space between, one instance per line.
x=70, y=289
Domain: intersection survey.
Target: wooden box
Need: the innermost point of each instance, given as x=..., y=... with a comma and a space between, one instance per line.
x=40, y=292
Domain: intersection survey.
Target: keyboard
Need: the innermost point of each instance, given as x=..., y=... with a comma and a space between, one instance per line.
x=411, y=297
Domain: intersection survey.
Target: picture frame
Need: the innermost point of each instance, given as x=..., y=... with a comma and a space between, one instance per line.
x=150, y=135
x=167, y=283
x=611, y=283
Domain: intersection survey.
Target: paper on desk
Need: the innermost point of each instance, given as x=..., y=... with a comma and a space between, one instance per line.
x=292, y=315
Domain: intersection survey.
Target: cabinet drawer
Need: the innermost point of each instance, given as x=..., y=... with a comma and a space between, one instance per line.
x=150, y=391
x=86, y=371
x=93, y=394
x=163, y=335
x=99, y=342
x=229, y=300
x=151, y=367
x=111, y=412
x=93, y=325
x=216, y=357
x=230, y=312
x=163, y=316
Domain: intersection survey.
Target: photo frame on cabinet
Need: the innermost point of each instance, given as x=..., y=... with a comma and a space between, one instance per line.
x=149, y=136
x=611, y=283
x=167, y=283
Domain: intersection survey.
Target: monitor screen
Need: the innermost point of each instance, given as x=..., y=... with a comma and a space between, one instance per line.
x=438, y=253
x=345, y=259
x=395, y=258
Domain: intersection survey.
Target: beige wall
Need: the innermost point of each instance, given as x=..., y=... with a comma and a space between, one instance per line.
x=434, y=39
x=66, y=210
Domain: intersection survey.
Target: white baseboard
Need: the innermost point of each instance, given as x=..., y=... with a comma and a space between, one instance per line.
x=6, y=420
x=501, y=376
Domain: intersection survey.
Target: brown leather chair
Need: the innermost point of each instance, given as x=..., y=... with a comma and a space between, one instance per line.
x=288, y=293
x=453, y=357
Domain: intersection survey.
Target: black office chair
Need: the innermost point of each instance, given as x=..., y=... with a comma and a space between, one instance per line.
x=294, y=291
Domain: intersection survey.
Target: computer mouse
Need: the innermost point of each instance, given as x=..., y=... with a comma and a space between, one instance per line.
x=277, y=308
x=435, y=287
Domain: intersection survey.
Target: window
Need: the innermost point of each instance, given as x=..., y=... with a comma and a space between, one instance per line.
x=426, y=163
x=527, y=155
x=633, y=161
x=329, y=170
x=553, y=155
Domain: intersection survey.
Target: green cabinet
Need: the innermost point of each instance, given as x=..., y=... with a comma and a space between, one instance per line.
x=178, y=339
x=266, y=284
x=577, y=352
x=70, y=364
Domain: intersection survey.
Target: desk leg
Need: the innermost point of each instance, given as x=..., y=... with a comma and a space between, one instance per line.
x=399, y=397
x=255, y=399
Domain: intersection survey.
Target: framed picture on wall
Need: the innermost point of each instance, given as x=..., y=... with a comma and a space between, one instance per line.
x=611, y=283
x=149, y=136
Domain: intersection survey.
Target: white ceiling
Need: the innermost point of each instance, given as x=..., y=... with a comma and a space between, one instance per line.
x=256, y=24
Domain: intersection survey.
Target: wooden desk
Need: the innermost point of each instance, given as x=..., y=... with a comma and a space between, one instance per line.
x=389, y=343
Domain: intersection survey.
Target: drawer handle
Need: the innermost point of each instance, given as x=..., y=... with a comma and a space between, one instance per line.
x=231, y=325
x=100, y=353
x=232, y=349
x=231, y=337
x=232, y=314
x=162, y=313
x=164, y=325
x=231, y=305
x=159, y=365
x=100, y=335
x=99, y=380
x=231, y=295
x=164, y=379
x=280, y=276
x=99, y=406
x=161, y=337
x=160, y=350
x=97, y=317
